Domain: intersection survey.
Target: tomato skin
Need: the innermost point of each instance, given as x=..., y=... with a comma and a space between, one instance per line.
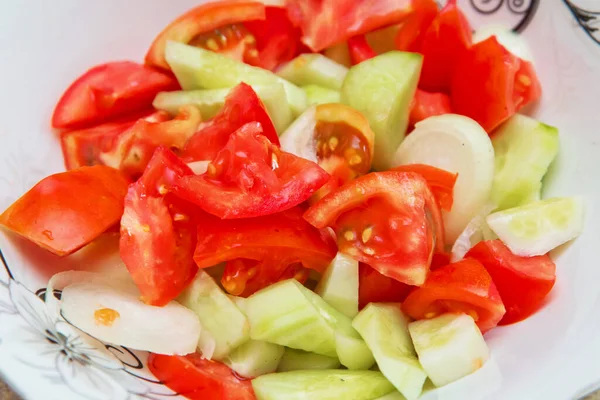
x=411, y=32
x=359, y=49
x=204, y=18
x=425, y=105
x=523, y=282
x=464, y=286
x=197, y=378
x=374, y=287
x=65, y=211
x=491, y=84
x=441, y=182
x=108, y=91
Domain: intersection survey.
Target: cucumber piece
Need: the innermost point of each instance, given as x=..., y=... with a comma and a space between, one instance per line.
x=450, y=347
x=352, y=351
x=321, y=385
x=210, y=101
x=240, y=302
x=384, y=328
x=298, y=360
x=319, y=95
x=339, y=285
x=314, y=69
x=395, y=395
x=537, y=228
x=255, y=358
x=382, y=88
x=224, y=326
x=196, y=68
x=524, y=150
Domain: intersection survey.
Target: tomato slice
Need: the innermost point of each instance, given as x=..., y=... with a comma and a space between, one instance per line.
x=158, y=231
x=214, y=26
x=242, y=106
x=448, y=36
x=108, y=91
x=373, y=287
x=65, y=211
x=252, y=177
x=491, y=84
x=441, y=182
x=360, y=50
x=389, y=220
x=197, y=378
x=523, y=282
x=465, y=287
x=425, y=105
x=263, y=250
x=412, y=31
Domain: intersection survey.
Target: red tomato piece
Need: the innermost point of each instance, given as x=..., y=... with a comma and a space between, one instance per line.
x=252, y=177
x=108, y=91
x=491, y=84
x=65, y=211
x=197, y=378
x=242, y=106
x=360, y=50
x=158, y=231
x=388, y=220
x=440, y=260
x=441, y=182
x=262, y=250
x=448, y=36
x=373, y=287
x=425, y=105
x=523, y=282
x=412, y=30
x=214, y=26
x=328, y=22
x=464, y=287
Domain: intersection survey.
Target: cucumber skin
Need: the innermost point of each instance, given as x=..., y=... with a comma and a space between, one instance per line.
x=298, y=360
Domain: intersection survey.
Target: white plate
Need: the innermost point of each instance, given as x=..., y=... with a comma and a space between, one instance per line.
x=46, y=44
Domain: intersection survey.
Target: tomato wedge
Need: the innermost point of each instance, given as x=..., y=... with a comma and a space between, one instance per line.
x=263, y=250
x=425, y=105
x=197, y=378
x=448, y=36
x=242, y=106
x=360, y=50
x=373, y=287
x=412, y=30
x=491, y=84
x=441, y=182
x=523, y=282
x=388, y=220
x=65, y=211
x=465, y=287
x=214, y=26
x=158, y=231
x=108, y=91
x=252, y=177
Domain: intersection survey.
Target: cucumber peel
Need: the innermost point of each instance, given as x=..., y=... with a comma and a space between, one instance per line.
x=298, y=360
x=314, y=69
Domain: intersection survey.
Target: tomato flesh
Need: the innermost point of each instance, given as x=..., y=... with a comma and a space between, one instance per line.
x=234, y=41
x=523, y=282
x=425, y=105
x=360, y=50
x=412, y=30
x=374, y=287
x=441, y=182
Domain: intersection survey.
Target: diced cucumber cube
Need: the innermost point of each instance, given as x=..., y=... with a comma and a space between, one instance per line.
x=298, y=360
x=255, y=358
x=314, y=69
x=339, y=285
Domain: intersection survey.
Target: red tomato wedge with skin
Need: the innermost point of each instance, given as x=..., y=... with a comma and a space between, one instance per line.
x=441, y=182
x=108, y=91
x=251, y=177
x=425, y=105
x=262, y=250
x=388, y=220
x=464, y=287
x=373, y=287
x=198, y=378
x=65, y=211
x=412, y=30
x=523, y=282
x=448, y=36
x=242, y=106
x=158, y=231
x=360, y=50
x=214, y=26
x=491, y=84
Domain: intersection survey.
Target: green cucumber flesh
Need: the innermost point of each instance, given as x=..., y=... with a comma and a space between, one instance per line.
x=255, y=358
x=395, y=395
x=314, y=69
x=316, y=95
x=298, y=360
x=352, y=351
x=339, y=285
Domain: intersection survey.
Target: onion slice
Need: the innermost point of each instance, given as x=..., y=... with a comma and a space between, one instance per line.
x=298, y=138
x=475, y=232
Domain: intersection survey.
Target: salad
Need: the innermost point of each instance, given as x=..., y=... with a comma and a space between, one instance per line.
x=307, y=206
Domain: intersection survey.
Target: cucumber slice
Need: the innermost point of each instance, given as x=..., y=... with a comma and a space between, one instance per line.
x=320, y=95
x=255, y=358
x=339, y=285
x=457, y=144
x=449, y=347
x=224, y=326
x=314, y=69
x=384, y=328
x=210, y=101
x=524, y=150
x=382, y=88
x=322, y=385
x=510, y=40
x=196, y=68
x=298, y=360
x=537, y=228
x=395, y=395
x=352, y=351
x=240, y=302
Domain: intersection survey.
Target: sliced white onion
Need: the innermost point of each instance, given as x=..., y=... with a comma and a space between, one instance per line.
x=457, y=144
x=513, y=42
x=298, y=138
x=473, y=234
x=199, y=167
x=118, y=316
